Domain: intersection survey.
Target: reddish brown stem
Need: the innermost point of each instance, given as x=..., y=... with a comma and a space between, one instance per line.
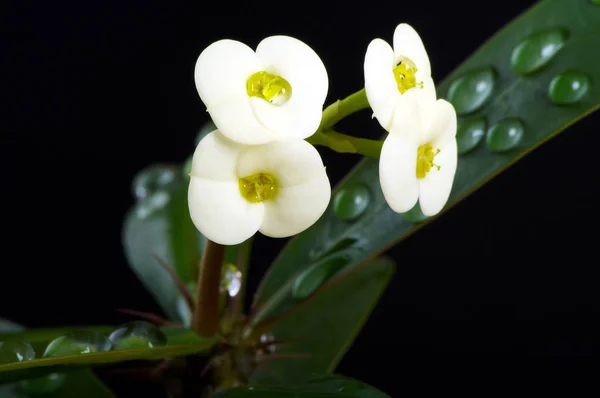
x=180, y=285
x=206, y=312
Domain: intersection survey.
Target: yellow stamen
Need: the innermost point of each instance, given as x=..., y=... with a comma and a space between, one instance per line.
x=269, y=87
x=405, y=77
x=258, y=187
x=425, y=155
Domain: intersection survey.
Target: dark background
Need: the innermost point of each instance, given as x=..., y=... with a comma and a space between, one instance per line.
x=502, y=287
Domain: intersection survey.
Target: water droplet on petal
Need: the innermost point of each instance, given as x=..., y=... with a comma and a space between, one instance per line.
x=15, y=350
x=44, y=384
x=568, y=87
x=469, y=92
x=158, y=200
x=505, y=135
x=537, y=50
x=77, y=342
x=138, y=334
x=231, y=281
x=469, y=134
x=415, y=215
x=350, y=202
x=317, y=274
x=152, y=178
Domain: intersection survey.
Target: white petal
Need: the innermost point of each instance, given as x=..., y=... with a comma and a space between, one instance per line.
x=291, y=162
x=397, y=170
x=408, y=43
x=297, y=118
x=407, y=121
x=380, y=84
x=296, y=62
x=440, y=127
x=236, y=121
x=436, y=186
x=296, y=208
x=215, y=158
x=220, y=212
x=222, y=71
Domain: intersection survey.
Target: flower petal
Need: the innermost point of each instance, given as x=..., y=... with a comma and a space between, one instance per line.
x=296, y=208
x=291, y=162
x=297, y=118
x=220, y=212
x=408, y=43
x=397, y=169
x=215, y=158
x=236, y=121
x=222, y=71
x=299, y=64
x=440, y=127
x=380, y=84
x=435, y=188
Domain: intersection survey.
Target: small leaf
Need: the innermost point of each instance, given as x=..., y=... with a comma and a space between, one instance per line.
x=325, y=323
x=317, y=386
x=160, y=224
x=180, y=342
x=77, y=384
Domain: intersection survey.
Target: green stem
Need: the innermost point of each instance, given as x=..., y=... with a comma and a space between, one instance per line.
x=343, y=143
x=205, y=320
x=342, y=108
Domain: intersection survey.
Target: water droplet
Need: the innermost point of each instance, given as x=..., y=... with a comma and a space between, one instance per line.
x=138, y=334
x=469, y=92
x=267, y=343
x=158, y=200
x=469, y=134
x=187, y=168
x=152, y=178
x=568, y=88
x=505, y=135
x=317, y=274
x=414, y=215
x=350, y=202
x=206, y=128
x=44, y=384
x=15, y=350
x=537, y=50
x=77, y=342
x=231, y=280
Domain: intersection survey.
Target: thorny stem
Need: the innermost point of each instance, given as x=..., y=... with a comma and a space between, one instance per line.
x=206, y=311
x=342, y=108
x=180, y=285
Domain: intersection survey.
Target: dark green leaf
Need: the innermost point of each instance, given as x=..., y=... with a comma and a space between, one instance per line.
x=180, y=342
x=160, y=224
x=77, y=384
x=326, y=323
x=317, y=386
x=507, y=84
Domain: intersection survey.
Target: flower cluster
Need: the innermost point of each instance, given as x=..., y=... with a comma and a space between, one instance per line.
x=257, y=172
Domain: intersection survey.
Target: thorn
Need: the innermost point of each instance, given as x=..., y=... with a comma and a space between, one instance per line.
x=284, y=356
x=180, y=285
x=277, y=341
x=161, y=367
x=157, y=320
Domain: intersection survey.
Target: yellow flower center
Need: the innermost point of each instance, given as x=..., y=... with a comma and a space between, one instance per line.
x=425, y=155
x=258, y=187
x=269, y=87
x=405, y=77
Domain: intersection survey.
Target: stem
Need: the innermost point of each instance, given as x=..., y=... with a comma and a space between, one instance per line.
x=342, y=108
x=343, y=143
x=206, y=311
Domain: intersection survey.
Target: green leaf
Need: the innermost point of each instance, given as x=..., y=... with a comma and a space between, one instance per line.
x=180, y=342
x=77, y=384
x=317, y=386
x=159, y=223
x=326, y=323
x=518, y=96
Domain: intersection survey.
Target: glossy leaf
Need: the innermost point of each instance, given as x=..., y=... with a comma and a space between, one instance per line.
x=159, y=223
x=315, y=387
x=81, y=383
x=499, y=93
x=326, y=323
x=180, y=342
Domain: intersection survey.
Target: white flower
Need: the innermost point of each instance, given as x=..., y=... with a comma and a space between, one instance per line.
x=395, y=76
x=279, y=188
x=257, y=97
x=419, y=156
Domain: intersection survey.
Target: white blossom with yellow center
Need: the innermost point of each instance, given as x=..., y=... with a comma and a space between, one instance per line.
x=255, y=97
x=279, y=188
x=419, y=157
x=398, y=75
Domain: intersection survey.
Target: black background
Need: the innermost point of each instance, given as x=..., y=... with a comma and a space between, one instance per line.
x=503, y=286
